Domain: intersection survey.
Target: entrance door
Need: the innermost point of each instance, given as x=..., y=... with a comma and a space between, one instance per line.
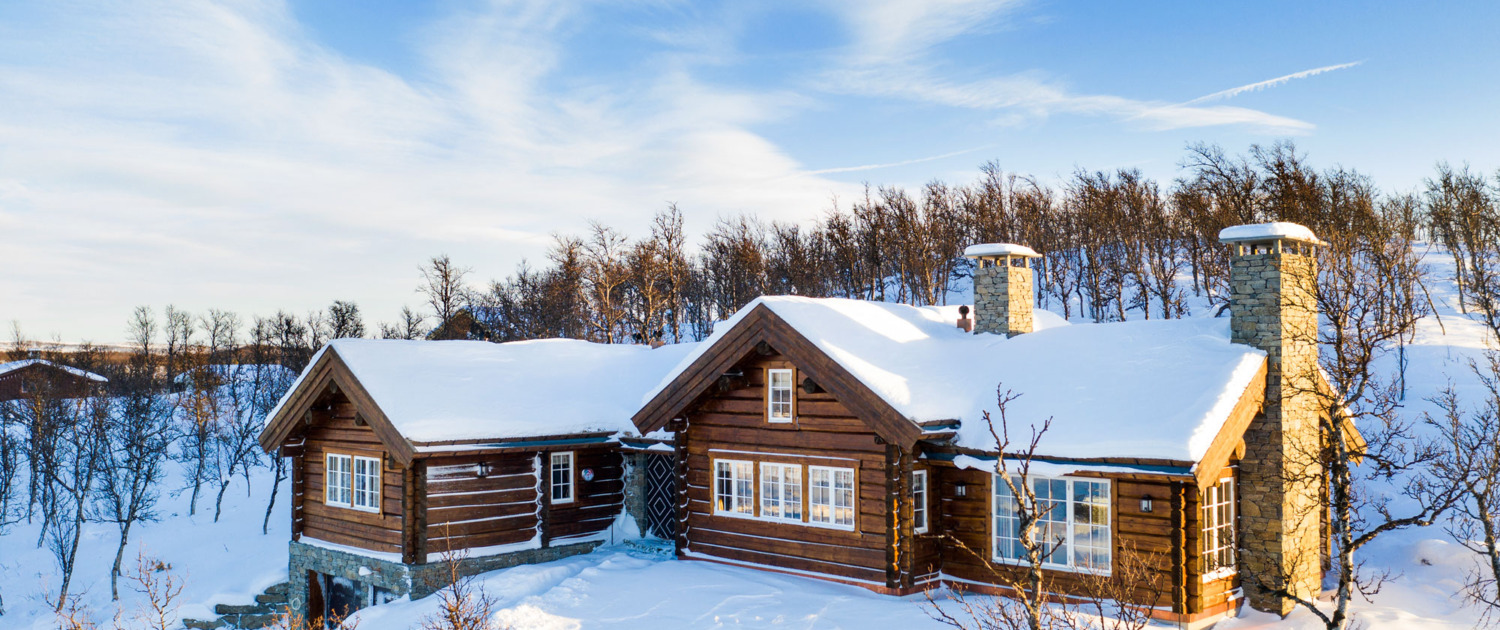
x=661, y=496
x=342, y=595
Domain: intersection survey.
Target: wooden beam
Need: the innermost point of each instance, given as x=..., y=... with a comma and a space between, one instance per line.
x=1232, y=433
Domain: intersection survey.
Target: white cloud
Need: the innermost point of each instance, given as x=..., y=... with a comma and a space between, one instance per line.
x=215, y=155
x=1261, y=85
x=893, y=53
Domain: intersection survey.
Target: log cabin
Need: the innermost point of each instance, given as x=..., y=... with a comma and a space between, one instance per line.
x=836, y=439
x=408, y=455
x=31, y=377
x=852, y=440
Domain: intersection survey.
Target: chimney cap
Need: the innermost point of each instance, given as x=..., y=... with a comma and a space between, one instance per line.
x=1276, y=231
x=985, y=250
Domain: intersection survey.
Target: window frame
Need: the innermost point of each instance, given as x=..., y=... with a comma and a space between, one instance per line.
x=355, y=477
x=1207, y=525
x=833, y=498
x=1069, y=523
x=782, y=485
x=734, y=498
x=919, y=505
x=791, y=395
x=346, y=474
x=572, y=474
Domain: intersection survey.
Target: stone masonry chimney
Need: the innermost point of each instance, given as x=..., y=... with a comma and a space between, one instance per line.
x=1273, y=279
x=1003, y=294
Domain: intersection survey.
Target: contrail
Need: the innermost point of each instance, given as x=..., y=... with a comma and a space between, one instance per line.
x=1255, y=87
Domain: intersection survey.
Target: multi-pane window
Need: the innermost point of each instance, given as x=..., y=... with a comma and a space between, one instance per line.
x=919, y=501
x=336, y=480
x=366, y=495
x=562, y=477
x=779, y=395
x=734, y=487
x=781, y=492
x=830, y=496
x=1218, y=530
x=1072, y=528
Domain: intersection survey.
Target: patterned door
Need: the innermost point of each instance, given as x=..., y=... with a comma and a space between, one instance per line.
x=661, y=496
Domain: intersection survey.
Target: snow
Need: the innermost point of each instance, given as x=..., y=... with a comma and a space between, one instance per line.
x=1157, y=389
x=1267, y=231
x=230, y=561
x=16, y=365
x=465, y=390
x=1041, y=468
x=1000, y=249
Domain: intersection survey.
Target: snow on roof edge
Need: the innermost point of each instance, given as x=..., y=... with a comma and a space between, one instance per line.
x=16, y=365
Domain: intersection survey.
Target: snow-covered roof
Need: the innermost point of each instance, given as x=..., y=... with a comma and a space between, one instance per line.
x=1000, y=249
x=16, y=365
x=1157, y=389
x=475, y=390
x=1267, y=231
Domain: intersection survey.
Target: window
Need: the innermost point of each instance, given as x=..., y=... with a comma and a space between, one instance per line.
x=1218, y=530
x=562, y=477
x=366, y=484
x=830, y=496
x=734, y=487
x=336, y=481
x=781, y=492
x=1073, y=529
x=919, y=501
x=779, y=395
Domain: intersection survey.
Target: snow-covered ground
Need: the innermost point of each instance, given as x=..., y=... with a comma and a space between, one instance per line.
x=225, y=562
x=231, y=561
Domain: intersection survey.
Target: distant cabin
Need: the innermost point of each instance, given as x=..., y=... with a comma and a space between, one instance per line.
x=33, y=377
x=836, y=439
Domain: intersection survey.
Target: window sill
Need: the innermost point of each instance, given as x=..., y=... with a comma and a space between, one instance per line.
x=1218, y=575
x=1049, y=566
x=782, y=521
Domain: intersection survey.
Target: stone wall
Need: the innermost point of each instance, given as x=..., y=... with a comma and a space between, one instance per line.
x=1003, y=298
x=1273, y=308
x=417, y=580
x=635, y=487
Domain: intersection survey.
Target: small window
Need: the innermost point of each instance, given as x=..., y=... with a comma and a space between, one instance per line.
x=830, y=496
x=336, y=481
x=366, y=493
x=562, y=477
x=734, y=488
x=781, y=492
x=919, y=501
x=779, y=395
x=1073, y=528
x=1218, y=530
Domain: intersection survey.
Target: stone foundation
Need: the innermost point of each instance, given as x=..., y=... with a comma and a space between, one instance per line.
x=417, y=580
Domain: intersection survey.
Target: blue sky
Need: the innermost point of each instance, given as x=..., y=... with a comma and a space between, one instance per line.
x=257, y=154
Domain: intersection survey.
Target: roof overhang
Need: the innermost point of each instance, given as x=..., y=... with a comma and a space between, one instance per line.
x=330, y=373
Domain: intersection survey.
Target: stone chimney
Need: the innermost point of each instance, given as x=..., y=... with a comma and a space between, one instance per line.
x=1273, y=279
x=1003, y=294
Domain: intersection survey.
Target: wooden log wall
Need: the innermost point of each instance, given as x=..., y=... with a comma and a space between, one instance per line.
x=968, y=519
x=595, y=503
x=335, y=430
x=731, y=424
x=479, y=501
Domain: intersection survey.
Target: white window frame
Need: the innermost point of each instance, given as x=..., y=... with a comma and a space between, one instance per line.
x=736, y=500
x=791, y=395
x=1218, y=517
x=1069, y=524
x=776, y=479
x=833, y=496
x=919, y=494
x=337, y=478
x=558, y=461
x=366, y=499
